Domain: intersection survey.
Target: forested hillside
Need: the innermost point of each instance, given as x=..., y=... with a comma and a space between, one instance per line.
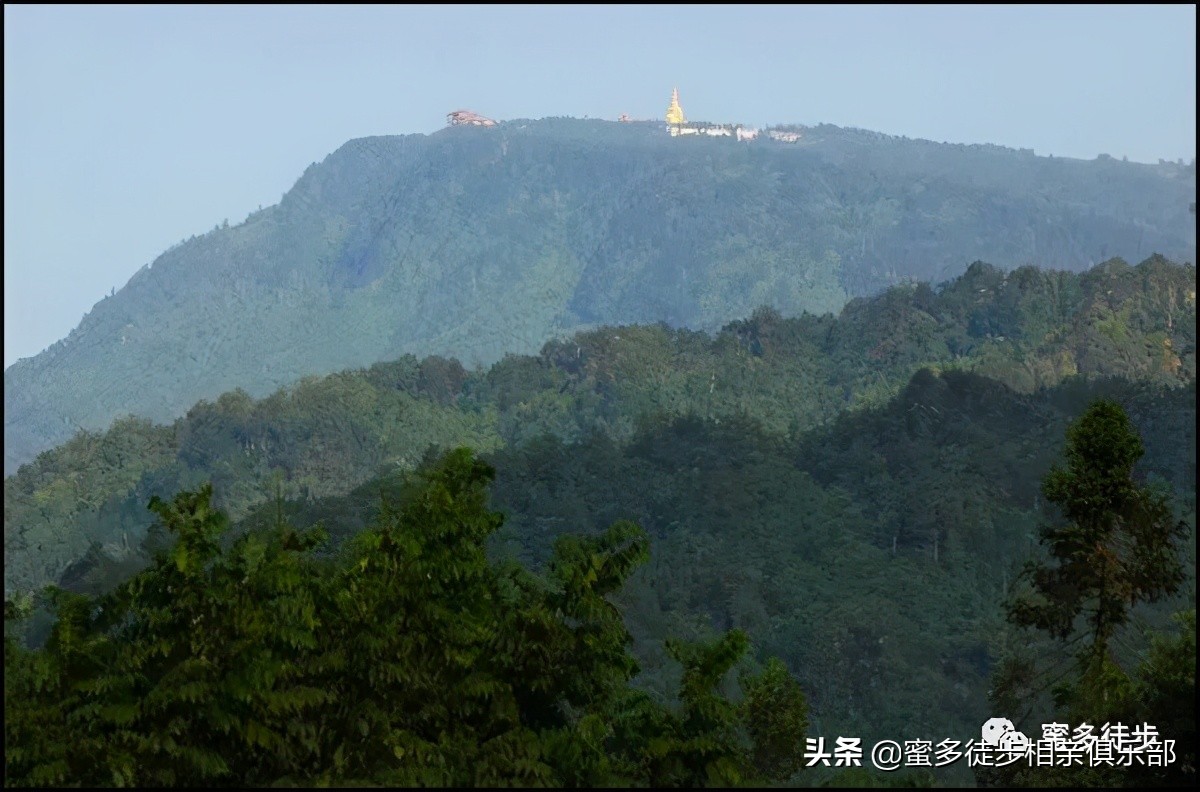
x=1027, y=329
x=410, y=660
x=852, y=495
x=874, y=557
x=473, y=243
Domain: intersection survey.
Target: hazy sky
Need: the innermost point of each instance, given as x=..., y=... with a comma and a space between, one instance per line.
x=127, y=129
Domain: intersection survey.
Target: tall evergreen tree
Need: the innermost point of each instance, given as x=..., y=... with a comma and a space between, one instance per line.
x=1115, y=545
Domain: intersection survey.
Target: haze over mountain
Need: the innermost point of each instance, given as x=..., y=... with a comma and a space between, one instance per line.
x=476, y=242
x=1024, y=331
x=856, y=493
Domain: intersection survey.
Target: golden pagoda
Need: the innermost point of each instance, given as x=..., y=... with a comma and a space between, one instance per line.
x=675, y=112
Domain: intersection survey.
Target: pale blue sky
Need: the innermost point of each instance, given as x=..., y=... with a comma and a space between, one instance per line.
x=127, y=129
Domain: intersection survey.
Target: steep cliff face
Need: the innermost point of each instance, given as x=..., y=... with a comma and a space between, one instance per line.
x=475, y=242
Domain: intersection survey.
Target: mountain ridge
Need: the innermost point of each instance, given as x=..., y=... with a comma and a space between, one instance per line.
x=1028, y=329
x=474, y=243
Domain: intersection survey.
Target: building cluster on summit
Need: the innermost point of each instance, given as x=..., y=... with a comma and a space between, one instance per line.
x=468, y=118
x=677, y=124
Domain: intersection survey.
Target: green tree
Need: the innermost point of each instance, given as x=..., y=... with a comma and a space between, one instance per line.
x=409, y=658
x=195, y=671
x=776, y=714
x=1115, y=546
x=1166, y=694
x=47, y=736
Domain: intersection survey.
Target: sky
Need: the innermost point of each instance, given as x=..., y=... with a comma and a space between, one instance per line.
x=128, y=129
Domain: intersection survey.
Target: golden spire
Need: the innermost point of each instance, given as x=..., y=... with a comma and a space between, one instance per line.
x=674, y=111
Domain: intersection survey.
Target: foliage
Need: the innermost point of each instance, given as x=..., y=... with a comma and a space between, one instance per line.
x=855, y=494
x=1166, y=694
x=474, y=243
x=776, y=714
x=325, y=436
x=872, y=555
x=408, y=658
x=1117, y=544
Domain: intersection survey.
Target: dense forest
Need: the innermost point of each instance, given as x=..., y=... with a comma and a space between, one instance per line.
x=410, y=659
x=473, y=243
x=1027, y=329
x=404, y=655
x=670, y=556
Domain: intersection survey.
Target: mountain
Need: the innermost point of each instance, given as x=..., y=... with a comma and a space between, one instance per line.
x=856, y=493
x=476, y=242
x=872, y=554
x=1027, y=329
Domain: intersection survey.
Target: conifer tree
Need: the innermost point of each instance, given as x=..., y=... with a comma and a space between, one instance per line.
x=1114, y=547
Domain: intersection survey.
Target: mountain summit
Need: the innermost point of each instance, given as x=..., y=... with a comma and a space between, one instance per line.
x=478, y=241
